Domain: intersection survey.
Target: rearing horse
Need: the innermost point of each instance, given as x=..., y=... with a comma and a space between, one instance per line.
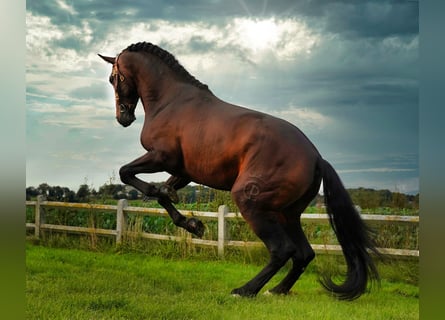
x=271, y=168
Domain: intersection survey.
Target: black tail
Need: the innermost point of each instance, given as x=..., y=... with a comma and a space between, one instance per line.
x=353, y=236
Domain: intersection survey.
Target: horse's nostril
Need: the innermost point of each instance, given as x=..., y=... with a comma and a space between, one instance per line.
x=122, y=108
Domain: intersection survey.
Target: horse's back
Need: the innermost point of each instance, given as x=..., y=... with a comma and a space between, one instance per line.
x=237, y=143
x=261, y=138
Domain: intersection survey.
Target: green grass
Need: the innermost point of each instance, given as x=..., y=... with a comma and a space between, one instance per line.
x=76, y=284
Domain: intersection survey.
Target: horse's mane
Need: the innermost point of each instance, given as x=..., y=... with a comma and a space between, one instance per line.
x=169, y=60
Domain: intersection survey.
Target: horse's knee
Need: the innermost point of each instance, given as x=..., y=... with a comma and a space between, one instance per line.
x=125, y=174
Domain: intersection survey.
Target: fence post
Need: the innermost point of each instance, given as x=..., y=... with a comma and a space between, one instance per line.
x=121, y=219
x=39, y=216
x=222, y=211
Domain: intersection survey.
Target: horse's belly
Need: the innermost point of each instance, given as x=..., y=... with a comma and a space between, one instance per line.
x=213, y=174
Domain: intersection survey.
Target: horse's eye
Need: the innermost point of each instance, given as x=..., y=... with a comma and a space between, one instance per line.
x=111, y=79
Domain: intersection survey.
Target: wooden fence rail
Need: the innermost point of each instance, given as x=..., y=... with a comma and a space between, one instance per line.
x=122, y=210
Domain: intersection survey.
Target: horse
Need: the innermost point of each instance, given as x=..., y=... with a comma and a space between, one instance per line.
x=271, y=168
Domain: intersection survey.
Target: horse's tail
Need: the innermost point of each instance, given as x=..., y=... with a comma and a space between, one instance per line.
x=352, y=234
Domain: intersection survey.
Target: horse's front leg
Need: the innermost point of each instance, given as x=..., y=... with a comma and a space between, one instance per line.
x=170, y=187
x=147, y=164
x=192, y=225
x=166, y=193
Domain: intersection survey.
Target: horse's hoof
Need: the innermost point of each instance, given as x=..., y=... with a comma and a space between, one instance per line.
x=169, y=192
x=239, y=292
x=235, y=293
x=196, y=227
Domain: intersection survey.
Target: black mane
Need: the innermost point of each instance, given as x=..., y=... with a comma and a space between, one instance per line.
x=169, y=60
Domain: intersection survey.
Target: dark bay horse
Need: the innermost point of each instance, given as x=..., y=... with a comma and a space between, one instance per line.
x=271, y=168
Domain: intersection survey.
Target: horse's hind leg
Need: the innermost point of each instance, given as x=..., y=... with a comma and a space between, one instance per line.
x=279, y=245
x=292, y=225
x=302, y=257
x=266, y=224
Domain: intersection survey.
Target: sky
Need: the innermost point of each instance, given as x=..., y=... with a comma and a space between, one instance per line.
x=344, y=72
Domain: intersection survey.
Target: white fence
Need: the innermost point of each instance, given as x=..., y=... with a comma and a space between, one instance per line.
x=122, y=210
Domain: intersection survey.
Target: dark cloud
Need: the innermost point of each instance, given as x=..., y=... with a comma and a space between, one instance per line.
x=386, y=95
x=373, y=18
x=351, y=18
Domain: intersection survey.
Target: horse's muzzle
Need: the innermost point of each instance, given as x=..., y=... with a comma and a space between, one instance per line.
x=126, y=115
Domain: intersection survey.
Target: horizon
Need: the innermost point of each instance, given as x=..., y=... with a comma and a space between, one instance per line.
x=192, y=184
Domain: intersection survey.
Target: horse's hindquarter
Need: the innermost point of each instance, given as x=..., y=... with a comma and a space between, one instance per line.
x=280, y=160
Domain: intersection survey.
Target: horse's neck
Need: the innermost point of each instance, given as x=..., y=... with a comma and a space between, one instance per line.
x=162, y=94
x=174, y=93
x=150, y=85
x=158, y=86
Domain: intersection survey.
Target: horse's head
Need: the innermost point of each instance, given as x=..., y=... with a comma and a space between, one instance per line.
x=125, y=92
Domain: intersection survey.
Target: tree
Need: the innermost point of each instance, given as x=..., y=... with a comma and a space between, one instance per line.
x=83, y=193
x=31, y=192
x=69, y=195
x=43, y=189
x=55, y=193
x=398, y=200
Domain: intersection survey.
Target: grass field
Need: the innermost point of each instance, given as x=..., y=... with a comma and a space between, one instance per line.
x=77, y=284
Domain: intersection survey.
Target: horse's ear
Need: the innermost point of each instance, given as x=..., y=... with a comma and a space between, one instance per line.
x=108, y=59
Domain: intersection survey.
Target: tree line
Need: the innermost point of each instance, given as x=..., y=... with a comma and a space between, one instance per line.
x=367, y=198
x=84, y=193
x=363, y=197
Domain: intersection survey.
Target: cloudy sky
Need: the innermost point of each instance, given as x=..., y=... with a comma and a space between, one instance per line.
x=345, y=72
